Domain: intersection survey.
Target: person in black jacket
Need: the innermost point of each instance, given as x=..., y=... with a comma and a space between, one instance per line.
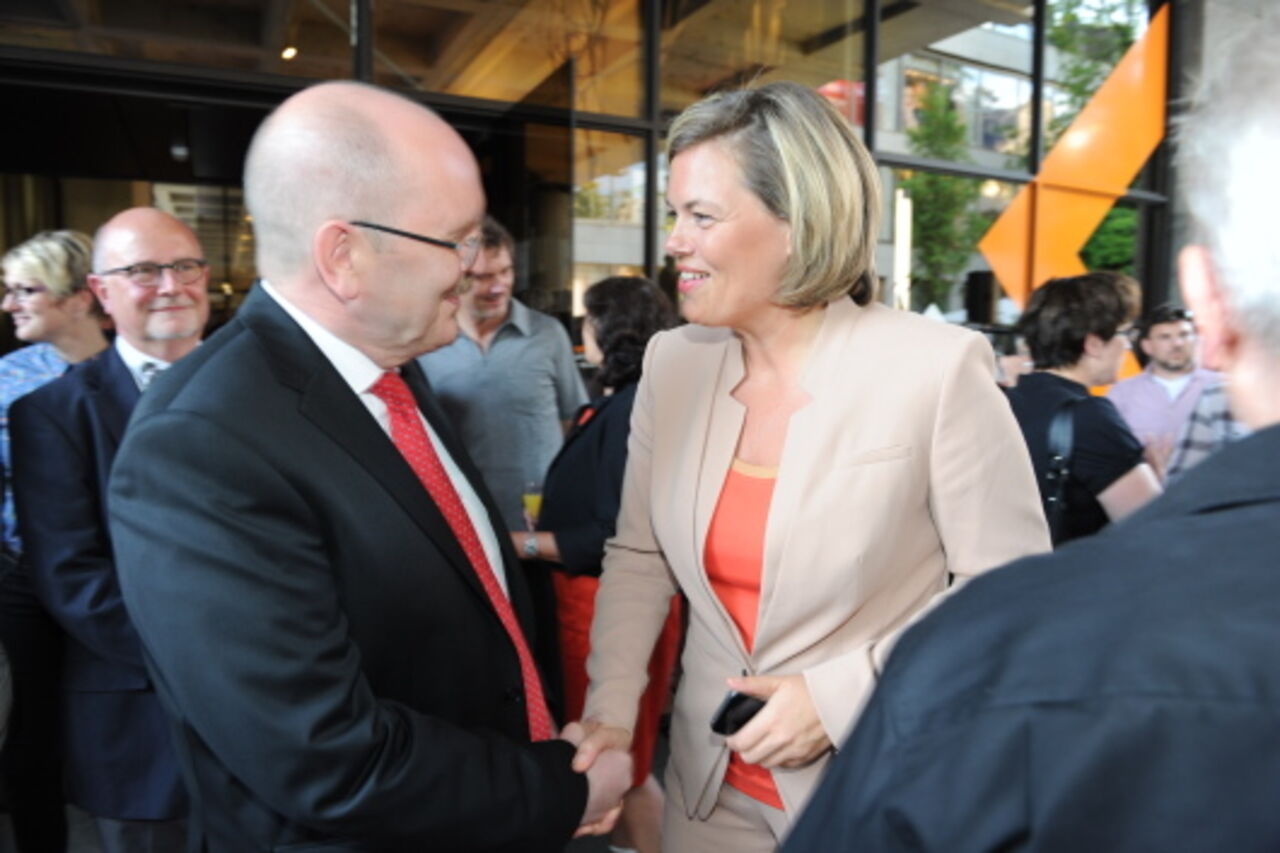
x=1122, y=693
x=1076, y=329
x=579, y=505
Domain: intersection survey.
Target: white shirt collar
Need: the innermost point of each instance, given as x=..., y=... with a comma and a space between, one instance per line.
x=356, y=369
x=135, y=358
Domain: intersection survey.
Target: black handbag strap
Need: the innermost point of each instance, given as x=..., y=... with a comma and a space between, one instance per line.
x=1061, y=439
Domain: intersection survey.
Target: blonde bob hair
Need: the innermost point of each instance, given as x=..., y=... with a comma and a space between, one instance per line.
x=804, y=161
x=60, y=260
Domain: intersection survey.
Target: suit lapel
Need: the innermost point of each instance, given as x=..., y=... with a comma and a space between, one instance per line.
x=328, y=402
x=114, y=393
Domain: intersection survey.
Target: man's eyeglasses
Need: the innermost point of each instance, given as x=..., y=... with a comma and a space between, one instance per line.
x=467, y=250
x=150, y=274
x=22, y=292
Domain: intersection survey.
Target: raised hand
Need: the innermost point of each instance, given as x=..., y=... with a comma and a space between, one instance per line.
x=787, y=731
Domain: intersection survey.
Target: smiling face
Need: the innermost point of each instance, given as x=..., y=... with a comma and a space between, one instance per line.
x=167, y=318
x=38, y=315
x=729, y=249
x=409, y=299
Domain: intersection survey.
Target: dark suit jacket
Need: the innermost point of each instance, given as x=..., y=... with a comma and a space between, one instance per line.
x=336, y=674
x=1120, y=695
x=119, y=754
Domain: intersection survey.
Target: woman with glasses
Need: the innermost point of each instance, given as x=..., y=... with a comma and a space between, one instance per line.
x=1091, y=471
x=53, y=311
x=808, y=466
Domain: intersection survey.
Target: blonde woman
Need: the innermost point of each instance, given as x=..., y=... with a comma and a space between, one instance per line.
x=46, y=294
x=809, y=467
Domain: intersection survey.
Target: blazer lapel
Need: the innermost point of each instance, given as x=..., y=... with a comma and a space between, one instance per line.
x=720, y=417
x=830, y=366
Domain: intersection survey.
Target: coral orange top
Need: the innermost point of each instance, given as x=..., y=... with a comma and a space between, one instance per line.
x=735, y=561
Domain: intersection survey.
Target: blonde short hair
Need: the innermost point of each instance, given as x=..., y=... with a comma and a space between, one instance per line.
x=806, y=164
x=60, y=260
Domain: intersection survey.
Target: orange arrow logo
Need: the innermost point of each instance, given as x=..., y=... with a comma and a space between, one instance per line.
x=1040, y=234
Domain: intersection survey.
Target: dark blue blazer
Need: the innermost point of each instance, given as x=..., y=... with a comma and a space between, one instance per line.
x=119, y=754
x=1122, y=694
x=337, y=676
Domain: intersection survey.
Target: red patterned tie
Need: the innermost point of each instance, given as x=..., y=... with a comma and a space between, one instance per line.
x=410, y=438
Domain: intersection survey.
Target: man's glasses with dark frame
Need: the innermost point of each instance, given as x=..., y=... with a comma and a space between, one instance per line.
x=468, y=250
x=150, y=274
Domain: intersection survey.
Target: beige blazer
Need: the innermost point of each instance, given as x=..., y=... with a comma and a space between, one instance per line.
x=906, y=468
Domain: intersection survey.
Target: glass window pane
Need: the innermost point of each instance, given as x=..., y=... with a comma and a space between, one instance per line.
x=509, y=50
x=608, y=209
x=226, y=34
x=928, y=252
x=710, y=45
x=1084, y=42
x=1114, y=245
x=957, y=83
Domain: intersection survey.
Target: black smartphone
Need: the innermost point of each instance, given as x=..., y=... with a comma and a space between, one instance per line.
x=734, y=712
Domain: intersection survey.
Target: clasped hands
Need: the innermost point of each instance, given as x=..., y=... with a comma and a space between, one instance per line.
x=603, y=756
x=786, y=732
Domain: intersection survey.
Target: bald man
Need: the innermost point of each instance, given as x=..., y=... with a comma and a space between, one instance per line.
x=151, y=277
x=333, y=622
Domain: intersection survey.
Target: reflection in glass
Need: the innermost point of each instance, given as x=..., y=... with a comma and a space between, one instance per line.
x=608, y=208
x=505, y=49
x=301, y=38
x=958, y=83
x=712, y=45
x=1086, y=39
x=948, y=215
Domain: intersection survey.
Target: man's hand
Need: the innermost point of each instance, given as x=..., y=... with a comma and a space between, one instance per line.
x=787, y=731
x=608, y=770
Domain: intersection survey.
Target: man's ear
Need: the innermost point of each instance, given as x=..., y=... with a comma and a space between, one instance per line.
x=99, y=290
x=1203, y=295
x=335, y=253
x=1093, y=345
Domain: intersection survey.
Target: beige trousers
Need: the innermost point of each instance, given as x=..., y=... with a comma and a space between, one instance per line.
x=738, y=823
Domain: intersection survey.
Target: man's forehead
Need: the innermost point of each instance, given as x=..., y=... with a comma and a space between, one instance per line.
x=159, y=241
x=497, y=257
x=1172, y=327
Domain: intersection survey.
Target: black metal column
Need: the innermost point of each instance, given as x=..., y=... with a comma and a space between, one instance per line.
x=652, y=24
x=362, y=39
x=870, y=66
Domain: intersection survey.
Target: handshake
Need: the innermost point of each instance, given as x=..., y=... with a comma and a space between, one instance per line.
x=604, y=757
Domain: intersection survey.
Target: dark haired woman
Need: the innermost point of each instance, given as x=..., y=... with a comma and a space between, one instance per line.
x=579, y=505
x=1077, y=330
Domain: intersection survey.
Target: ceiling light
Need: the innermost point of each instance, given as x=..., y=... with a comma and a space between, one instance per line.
x=288, y=53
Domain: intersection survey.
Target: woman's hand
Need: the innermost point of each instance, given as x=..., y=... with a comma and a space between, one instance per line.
x=787, y=731
x=592, y=738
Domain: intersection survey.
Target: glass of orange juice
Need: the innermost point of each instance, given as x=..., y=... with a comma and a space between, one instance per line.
x=532, y=498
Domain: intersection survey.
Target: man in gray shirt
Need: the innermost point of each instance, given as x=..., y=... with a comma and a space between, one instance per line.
x=509, y=382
